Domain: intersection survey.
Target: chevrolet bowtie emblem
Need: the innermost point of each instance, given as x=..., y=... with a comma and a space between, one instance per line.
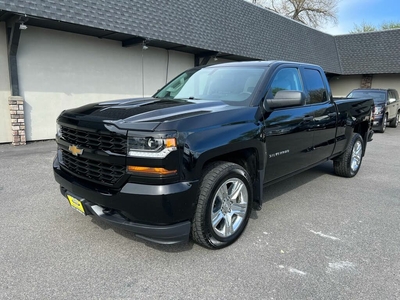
x=75, y=150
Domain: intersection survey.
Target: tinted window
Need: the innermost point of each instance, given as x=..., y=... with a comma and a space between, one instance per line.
x=378, y=96
x=235, y=85
x=286, y=79
x=315, y=86
x=392, y=95
x=396, y=94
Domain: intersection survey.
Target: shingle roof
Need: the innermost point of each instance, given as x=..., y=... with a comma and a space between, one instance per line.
x=231, y=26
x=370, y=52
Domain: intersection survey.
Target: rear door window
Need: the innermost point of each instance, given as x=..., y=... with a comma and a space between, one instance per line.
x=392, y=95
x=315, y=86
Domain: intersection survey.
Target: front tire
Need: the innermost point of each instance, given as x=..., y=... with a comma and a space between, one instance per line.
x=224, y=205
x=382, y=128
x=348, y=164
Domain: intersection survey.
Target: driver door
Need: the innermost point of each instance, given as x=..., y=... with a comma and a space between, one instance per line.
x=287, y=130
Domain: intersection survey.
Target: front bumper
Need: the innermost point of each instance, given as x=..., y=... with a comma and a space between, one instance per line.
x=158, y=213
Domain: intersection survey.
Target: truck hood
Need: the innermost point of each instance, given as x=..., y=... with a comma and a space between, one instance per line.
x=147, y=113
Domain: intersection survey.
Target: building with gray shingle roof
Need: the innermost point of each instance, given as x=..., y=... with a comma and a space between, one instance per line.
x=236, y=28
x=76, y=52
x=369, y=53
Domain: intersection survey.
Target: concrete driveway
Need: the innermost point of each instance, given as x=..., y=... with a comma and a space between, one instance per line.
x=318, y=236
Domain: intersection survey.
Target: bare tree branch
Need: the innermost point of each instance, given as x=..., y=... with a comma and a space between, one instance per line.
x=314, y=13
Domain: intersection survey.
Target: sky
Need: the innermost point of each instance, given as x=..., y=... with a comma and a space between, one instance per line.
x=373, y=12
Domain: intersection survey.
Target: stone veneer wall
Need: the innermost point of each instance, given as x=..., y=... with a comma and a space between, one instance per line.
x=16, y=105
x=366, y=81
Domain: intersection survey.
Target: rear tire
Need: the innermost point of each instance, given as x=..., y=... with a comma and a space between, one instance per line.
x=224, y=205
x=348, y=164
x=395, y=122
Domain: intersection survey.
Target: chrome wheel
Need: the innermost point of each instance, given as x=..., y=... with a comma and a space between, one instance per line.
x=348, y=164
x=356, y=156
x=224, y=205
x=229, y=207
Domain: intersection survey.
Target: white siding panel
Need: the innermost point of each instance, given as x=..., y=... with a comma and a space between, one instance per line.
x=386, y=81
x=342, y=85
x=60, y=70
x=5, y=120
x=179, y=62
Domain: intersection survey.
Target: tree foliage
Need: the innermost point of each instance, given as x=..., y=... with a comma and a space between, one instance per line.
x=314, y=13
x=390, y=25
x=367, y=27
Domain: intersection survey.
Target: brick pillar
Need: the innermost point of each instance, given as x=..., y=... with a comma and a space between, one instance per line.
x=16, y=105
x=366, y=81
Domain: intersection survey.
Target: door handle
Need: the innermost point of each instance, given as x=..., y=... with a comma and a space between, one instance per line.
x=330, y=115
x=308, y=118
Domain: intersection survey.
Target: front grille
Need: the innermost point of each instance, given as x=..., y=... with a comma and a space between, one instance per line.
x=93, y=170
x=91, y=140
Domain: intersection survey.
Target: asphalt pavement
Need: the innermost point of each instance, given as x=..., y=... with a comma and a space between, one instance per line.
x=318, y=236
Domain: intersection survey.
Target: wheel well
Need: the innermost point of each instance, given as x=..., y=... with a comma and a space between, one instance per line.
x=247, y=158
x=362, y=129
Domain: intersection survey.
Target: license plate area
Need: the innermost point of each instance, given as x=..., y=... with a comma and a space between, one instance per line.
x=76, y=203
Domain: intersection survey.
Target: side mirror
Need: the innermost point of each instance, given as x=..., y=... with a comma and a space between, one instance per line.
x=285, y=99
x=391, y=100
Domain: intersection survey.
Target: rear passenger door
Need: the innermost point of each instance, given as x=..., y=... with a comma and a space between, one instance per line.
x=323, y=109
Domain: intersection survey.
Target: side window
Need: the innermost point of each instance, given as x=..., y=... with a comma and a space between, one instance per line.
x=286, y=79
x=315, y=86
x=392, y=95
x=174, y=87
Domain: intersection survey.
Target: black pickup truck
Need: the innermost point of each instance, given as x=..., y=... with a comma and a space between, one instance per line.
x=193, y=159
x=387, y=106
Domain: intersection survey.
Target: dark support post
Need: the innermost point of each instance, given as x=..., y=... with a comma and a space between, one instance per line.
x=196, y=60
x=15, y=102
x=12, y=58
x=205, y=60
x=132, y=42
x=206, y=56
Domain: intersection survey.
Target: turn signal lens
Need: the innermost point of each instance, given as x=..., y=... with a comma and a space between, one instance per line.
x=171, y=142
x=150, y=171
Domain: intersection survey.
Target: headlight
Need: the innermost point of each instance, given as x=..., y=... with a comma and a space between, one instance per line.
x=378, y=110
x=59, y=131
x=150, y=147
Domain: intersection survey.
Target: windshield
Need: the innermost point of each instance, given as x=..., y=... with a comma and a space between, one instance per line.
x=235, y=85
x=379, y=97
